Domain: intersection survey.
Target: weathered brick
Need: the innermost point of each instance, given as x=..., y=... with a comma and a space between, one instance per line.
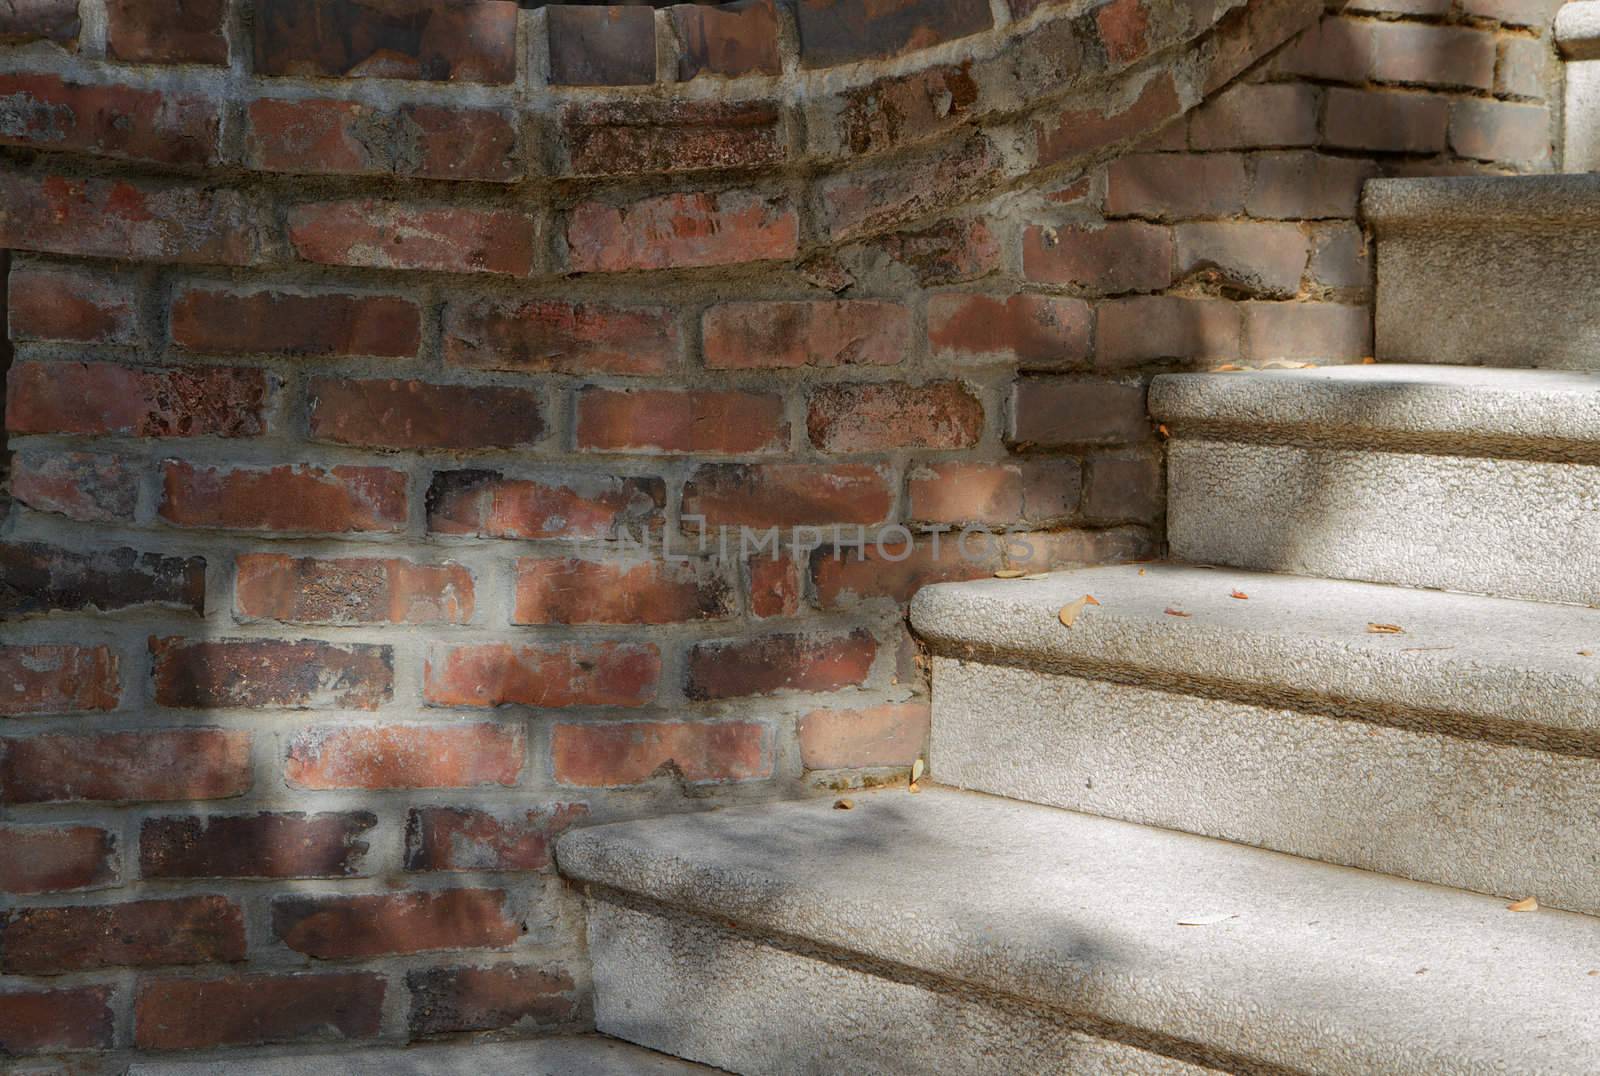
x=1336, y=49
x=549, y=335
x=1057, y=550
x=1176, y=186
x=621, y=753
x=1385, y=120
x=471, y=41
x=1422, y=8
x=467, y=839
x=1137, y=330
x=445, y=1000
x=376, y=234
x=701, y=421
x=109, y=398
x=601, y=46
x=1250, y=31
x=874, y=416
x=776, y=588
x=1258, y=258
x=1058, y=411
x=785, y=494
x=570, y=590
x=1433, y=55
x=250, y=1010
x=1026, y=330
x=767, y=664
x=1117, y=257
x=351, y=590
x=302, y=674
x=1051, y=489
x=57, y=678
x=42, y=111
x=547, y=676
x=961, y=492
x=29, y=20
x=233, y=321
x=1525, y=67
x=834, y=32
x=727, y=39
x=262, y=845
x=45, y=1021
x=949, y=252
x=187, y=32
x=1307, y=186
x=644, y=137
x=682, y=231
x=405, y=756
x=1124, y=27
x=906, y=108
x=1078, y=132
x=321, y=136
x=1532, y=13
x=1340, y=257
x=1256, y=115
x=156, y=764
x=55, y=859
x=888, y=735
x=782, y=335
x=865, y=201
x=896, y=568
x=117, y=218
x=73, y=304
x=389, y=413
x=1501, y=131
x=334, y=928
x=38, y=578
x=142, y=933
x=1123, y=489
x=1319, y=332
x=286, y=498
x=490, y=505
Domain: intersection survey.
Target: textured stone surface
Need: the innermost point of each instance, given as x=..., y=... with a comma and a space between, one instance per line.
x=577, y=1055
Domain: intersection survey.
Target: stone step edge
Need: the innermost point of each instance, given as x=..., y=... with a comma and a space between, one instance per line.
x=1480, y=203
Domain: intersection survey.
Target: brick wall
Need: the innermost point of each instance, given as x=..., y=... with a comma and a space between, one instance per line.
x=357, y=345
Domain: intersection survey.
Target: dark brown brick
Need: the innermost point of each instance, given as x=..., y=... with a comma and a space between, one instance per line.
x=490, y=505
x=1502, y=131
x=1307, y=186
x=109, y=398
x=1433, y=55
x=449, y=41
x=1317, y=332
x=732, y=39
x=1336, y=49
x=270, y=322
x=83, y=486
x=1257, y=116
x=416, y=414
x=1252, y=257
x=654, y=137
x=155, y=764
x=293, y=674
x=445, y=1000
x=333, y=928
x=1058, y=411
x=961, y=492
x=46, y=112
x=176, y=32
x=39, y=578
x=876, y=416
x=1117, y=257
x=144, y=933
x=250, y=1010
x=571, y=590
x=551, y=335
x=45, y=1021
x=1176, y=186
x=1136, y=330
x=864, y=201
x=601, y=46
x=29, y=20
x=467, y=839
x=55, y=859
x=1385, y=120
x=949, y=252
x=834, y=32
x=72, y=303
x=1123, y=489
x=289, y=845
x=896, y=569
x=767, y=664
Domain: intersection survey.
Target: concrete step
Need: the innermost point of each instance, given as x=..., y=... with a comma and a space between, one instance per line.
x=1474, y=479
x=1495, y=270
x=1465, y=751
x=952, y=932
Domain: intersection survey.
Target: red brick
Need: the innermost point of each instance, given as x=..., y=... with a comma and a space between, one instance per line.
x=190, y=31
x=669, y=420
x=1257, y=116
x=1385, y=120
x=1049, y=411
x=546, y=676
x=46, y=678
x=783, y=335
x=40, y=578
x=72, y=304
x=143, y=933
x=321, y=136
x=405, y=756
x=1433, y=55
x=28, y=20
x=1058, y=550
x=155, y=764
x=549, y=335
x=785, y=494
x=286, y=498
x=280, y=673
x=1340, y=257
x=45, y=1021
x=1124, y=27
x=1307, y=186
x=228, y=321
x=776, y=588
x=79, y=485
x=859, y=202
x=351, y=590
x=728, y=39
x=416, y=414
x=465, y=839
x=1137, y=330
x=887, y=735
x=962, y=492
x=834, y=32
x=629, y=752
x=569, y=590
x=1525, y=67
x=1078, y=132
x=875, y=416
x=116, y=218
x=906, y=108
x=766, y=664
x=46, y=112
x=289, y=845
x=1536, y=14
x=948, y=252
x=1257, y=258
x=445, y=1000
x=898, y=567
x=54, y=859
x=334, y=928
x=376, y=234
x=1336, y=49
x=1319, y=332
x=1051, y=489
x=1501, y=131
x=109, y=398
x=1123, y=490
x=1176, y=186
x=411, y=39
x=1024, y=330
x=645, y=137
x=611, y=45
x=1118, y=257
x=249, y=1010
x=1250, y=31
x=489, y=505
x=682, y=231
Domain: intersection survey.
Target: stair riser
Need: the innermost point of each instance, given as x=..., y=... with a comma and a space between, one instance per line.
x=1503, y=820
x=1510, y=528
x=684, y=986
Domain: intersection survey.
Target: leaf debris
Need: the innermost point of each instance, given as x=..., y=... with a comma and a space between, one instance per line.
x=1526, y=904
x=1069, y=612
x=1385, y=629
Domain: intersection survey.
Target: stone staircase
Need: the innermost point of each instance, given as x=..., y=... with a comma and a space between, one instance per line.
x=1374, y=650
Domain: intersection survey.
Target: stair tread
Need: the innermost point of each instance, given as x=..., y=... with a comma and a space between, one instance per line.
x=1491, y=658
x=1480, y=203
x=1403, y=399
x=1323, y=968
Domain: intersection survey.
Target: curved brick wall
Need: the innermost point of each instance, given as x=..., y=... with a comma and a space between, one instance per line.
x=352, y=338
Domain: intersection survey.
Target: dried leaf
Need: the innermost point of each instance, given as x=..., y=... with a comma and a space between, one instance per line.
x=1175, y=612
x=1069, y=612
x=913, y=788
x=1207, y=920
x=1586, y=653
x=1141, y=571
x=1385, y=629
x=1163, y=431
x=1228, y=367
x=1368, y=360
x=1526, y=904
x=843, y=804
x=1010, y=573
x=916, y=770
x=1241, y=595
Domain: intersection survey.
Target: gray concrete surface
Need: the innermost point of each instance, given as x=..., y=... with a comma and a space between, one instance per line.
x=1300, y=964
x=1577, y=34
